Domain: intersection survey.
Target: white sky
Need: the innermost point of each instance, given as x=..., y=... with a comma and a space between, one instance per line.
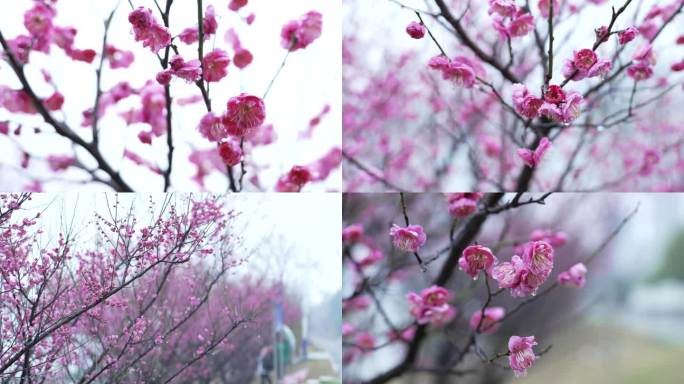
x=310, y=79
x=309, y=224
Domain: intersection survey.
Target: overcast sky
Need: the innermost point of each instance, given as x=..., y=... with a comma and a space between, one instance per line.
x=310, y=80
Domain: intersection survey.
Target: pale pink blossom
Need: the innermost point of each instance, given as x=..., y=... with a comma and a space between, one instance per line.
x=211, y=127
x=521, y=354
x=573, y=277
x=60, y=162
x=352, y=234
x=409, y=238
x=545, y=5
x=504, y=8
x=365, y=340
x=118, y=58
x=490, y=323
x=476, y=258
x=463, y=204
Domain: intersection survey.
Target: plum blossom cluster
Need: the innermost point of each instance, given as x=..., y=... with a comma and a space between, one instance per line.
x=524, y=275
x=509, y=19
x=585, y=64
x=556, y=104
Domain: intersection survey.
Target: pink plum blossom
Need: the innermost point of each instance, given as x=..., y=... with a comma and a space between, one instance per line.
x=148, y=30
x=60, y=162
x=409, y=238
x=463, y=204
x=211, y=127
x=352, y=234
x=245, y=113
x=533, y=158
x=476, y=258
x=627, y=35
x=490, y=323
x=415, y=30
x=521, y=356
x=573, y=277
x=230, y=152
x=299, y=34
x=215, y=65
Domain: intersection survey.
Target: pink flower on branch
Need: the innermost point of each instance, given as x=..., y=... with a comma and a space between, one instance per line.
x=408, y=239
x=573, y=277
x=299, y=34
x=490, y=322
x=476, y=258
x=245, y=113
x=216, y=65
x=431, y=306
x=533, y=158
x=148, y=30
x=521, y=356
x=415, y=30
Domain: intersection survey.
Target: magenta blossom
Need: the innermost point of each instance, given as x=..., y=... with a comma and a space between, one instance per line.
x=490, y=323
x=352, y=234
x=409, y=238
x=533, y=158
x=415, y=30
x=230, y=152
x=216, y=65
x=245, y=113
x=476, y=258
x=573, y=277
x=538, y=257
x=627, y=35
x=521, y=356
x=148, y=30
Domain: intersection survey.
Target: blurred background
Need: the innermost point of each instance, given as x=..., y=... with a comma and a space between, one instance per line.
x=625, y=326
